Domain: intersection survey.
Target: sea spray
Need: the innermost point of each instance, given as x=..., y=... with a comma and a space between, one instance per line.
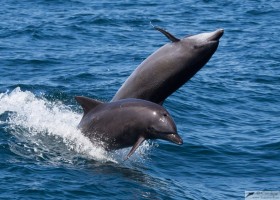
x=48, y=130
x=34, y=119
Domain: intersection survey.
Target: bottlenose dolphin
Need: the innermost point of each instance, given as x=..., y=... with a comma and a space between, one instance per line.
x=126, y=123
x=172, y=65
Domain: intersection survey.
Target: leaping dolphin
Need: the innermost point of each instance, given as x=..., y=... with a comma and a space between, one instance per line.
x=172, y=65
x=125, y=123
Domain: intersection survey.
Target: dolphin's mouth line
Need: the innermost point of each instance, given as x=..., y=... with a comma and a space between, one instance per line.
x=216, y=36
x=172, y=137
x=212, y=40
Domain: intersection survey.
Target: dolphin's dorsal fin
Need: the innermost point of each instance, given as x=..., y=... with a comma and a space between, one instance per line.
x=140, y=140
x=171, y=37
x=87, y=103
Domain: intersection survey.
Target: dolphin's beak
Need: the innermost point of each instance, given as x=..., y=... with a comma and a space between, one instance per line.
x=172, y=137
x=216, y=35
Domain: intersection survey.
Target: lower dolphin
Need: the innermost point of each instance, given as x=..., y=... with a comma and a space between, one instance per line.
x=126, y=123
x=172, y=65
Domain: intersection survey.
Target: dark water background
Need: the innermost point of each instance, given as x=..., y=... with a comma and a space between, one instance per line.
x=228, y=114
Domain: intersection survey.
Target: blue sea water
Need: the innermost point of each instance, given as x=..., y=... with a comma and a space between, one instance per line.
x=227, y=114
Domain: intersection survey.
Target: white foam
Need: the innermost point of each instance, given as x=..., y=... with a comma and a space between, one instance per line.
x=44, y=118
x=43, y=125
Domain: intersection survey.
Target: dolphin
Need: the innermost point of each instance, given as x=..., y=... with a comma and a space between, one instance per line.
x=168, y=68
x=125, y=123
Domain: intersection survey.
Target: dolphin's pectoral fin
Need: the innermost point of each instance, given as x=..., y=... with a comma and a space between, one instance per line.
x=167, y=34
x=87, y=103
x=140, y=140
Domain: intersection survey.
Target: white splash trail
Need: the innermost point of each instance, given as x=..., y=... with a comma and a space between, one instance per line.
x=38, y=115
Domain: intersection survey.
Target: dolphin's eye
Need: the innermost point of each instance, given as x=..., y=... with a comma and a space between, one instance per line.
x=165, y=114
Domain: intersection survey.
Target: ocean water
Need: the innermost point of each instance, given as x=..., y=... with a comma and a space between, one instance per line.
x=227, y=114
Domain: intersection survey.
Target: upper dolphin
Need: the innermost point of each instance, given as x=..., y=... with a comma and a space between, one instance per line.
x=168, y=68
x=126, y=123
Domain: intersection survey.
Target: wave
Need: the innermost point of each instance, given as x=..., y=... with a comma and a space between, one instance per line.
x=48, y=130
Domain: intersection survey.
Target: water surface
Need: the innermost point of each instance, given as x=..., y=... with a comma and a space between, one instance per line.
x=228, y=114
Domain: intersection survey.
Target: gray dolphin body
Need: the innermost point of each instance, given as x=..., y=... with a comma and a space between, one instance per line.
x=126, y=123
x=172, y=65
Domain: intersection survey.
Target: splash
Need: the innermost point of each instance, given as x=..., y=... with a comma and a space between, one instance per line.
x=41, y=126
x=48, y=130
